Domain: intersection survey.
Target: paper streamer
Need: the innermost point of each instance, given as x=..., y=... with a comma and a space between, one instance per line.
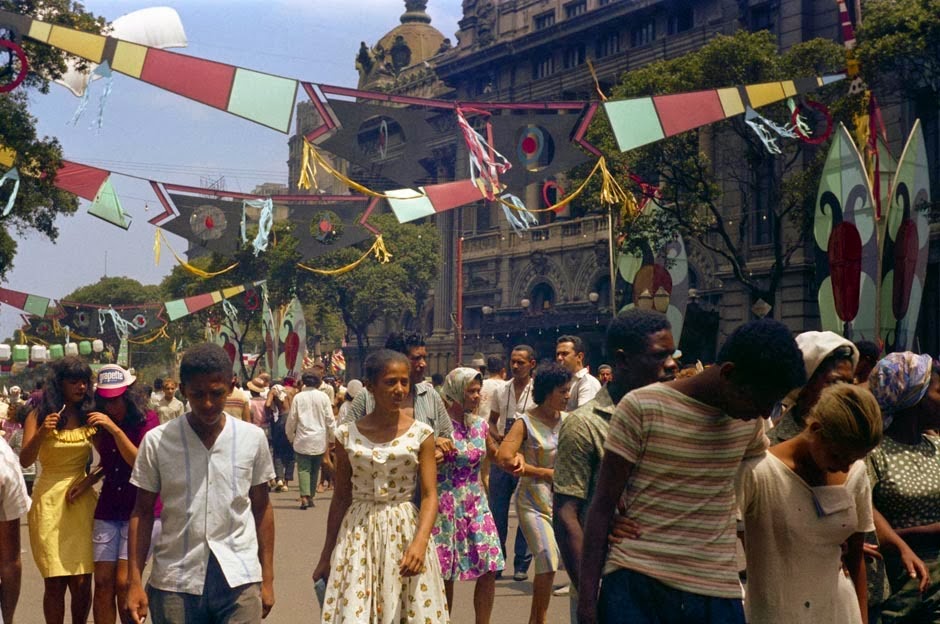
x=13, y=175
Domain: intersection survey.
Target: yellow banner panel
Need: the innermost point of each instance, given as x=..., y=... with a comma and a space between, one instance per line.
x=763, y=94
x=232, y=291
x=216, y=296
x=789, y=89
x=85, y=45
x=39, y=31
x=129, y=58
x=731, y=102
x=7, y=156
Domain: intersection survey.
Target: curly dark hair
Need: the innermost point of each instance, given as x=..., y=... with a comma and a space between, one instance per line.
x=765, y=356
x=69, y=368
x=548, y=376
x=630, y=330
x=377, y=362
x=136, y=402
x=204, y=359
x=404, y=343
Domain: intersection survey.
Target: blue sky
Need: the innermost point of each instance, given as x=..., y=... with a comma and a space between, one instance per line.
x=159, y=135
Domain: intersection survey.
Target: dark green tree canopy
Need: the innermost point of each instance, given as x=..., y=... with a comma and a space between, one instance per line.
x=38, y=202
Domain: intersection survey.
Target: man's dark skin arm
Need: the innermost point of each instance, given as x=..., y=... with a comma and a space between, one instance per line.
x=568, y=533
x=615, y=472
x=11, y=568
x=138, y=545
x=263, y=513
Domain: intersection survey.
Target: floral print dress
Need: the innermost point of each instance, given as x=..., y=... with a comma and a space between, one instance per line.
x=364, y=583
x=464, y=532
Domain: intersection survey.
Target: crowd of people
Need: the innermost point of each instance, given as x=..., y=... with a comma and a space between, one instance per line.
x=817, y=454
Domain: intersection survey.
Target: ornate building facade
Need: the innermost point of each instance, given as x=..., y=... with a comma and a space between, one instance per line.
x=554, y=278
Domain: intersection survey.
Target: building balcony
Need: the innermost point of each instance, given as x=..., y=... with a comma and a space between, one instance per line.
x=554, y=236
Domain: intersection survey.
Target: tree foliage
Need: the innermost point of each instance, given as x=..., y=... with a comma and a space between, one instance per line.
x=719, y=181
x=38, y=202
x=899, y=46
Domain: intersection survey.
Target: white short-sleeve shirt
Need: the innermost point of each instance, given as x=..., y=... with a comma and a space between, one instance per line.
x=505, y=403
x=206, y=507
x=14, y=501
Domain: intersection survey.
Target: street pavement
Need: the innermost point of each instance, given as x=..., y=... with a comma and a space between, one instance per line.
x=299, y=538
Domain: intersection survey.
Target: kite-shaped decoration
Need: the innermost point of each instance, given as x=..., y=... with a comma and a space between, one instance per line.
x=210, y=224
x=907, y=237
x=107, y=206
x=641, y=121
x=846, y=243
x=384, y=141
x=324, y=226
x=38, y=327
x=538, y=145
x=662, y=276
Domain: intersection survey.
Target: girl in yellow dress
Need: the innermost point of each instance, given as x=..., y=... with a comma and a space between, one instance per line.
x=61, y=517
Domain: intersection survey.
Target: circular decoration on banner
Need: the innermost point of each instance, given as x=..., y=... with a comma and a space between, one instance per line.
x=139, y=321
x=43, y=328
x=11, y=57
x=326, y=227
x=377, y=135
x=383, y=138
x=208, y=223
x=252, y=300
x=819, y=110
x=82, y=319
x=535, y=148
x=550, y=188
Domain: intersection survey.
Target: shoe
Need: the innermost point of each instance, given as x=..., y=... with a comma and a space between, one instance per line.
x=561, y=590
x=520, y=576
x=281, y=488
x=304, y=505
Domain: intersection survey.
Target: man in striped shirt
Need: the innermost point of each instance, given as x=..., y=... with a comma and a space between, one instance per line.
x=672, y=454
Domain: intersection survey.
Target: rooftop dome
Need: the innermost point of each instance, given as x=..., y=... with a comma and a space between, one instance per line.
x=408, y=44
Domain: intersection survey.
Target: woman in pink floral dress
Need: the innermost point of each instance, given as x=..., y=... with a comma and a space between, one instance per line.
x=464, y=532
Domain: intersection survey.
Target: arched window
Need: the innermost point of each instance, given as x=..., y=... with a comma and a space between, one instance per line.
x=542, y=298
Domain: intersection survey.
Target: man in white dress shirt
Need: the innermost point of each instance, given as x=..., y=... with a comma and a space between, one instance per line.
x=569, y=351
x=214, y=560
x=14, y=503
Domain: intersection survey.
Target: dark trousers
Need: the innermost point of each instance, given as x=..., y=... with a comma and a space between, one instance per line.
x=502, y=485
x=218, y=604
x=628, y=597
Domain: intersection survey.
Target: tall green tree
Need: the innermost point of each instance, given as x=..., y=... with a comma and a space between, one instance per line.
x=38, y=202
x=720, y=183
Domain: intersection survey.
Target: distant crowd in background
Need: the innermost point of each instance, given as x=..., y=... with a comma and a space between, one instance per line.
x=818, y=454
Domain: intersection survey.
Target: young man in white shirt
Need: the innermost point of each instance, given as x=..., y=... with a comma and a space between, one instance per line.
x=509, y=402
x=14, y=503
x=569, y=351
x=215, y=555
x=310, y=429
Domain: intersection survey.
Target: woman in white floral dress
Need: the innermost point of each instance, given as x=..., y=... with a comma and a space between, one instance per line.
x=378, y=559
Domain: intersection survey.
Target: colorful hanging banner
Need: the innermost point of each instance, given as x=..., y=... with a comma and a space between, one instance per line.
x=262, y=98
x=641, y=121
x=178, y=308
x=32, y=304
